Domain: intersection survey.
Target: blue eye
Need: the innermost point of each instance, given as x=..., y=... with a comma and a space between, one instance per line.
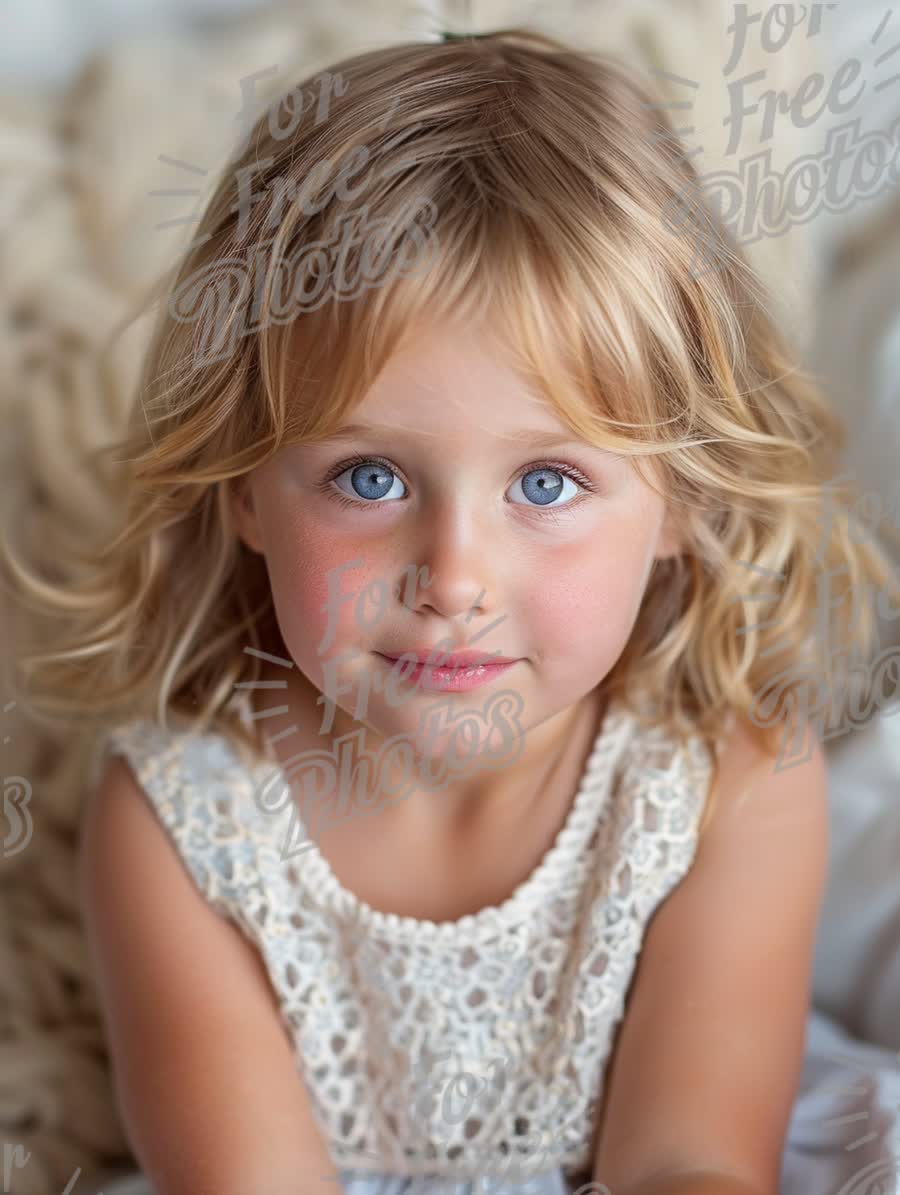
x=371, y=481
x=366, y=481
x=544, y=485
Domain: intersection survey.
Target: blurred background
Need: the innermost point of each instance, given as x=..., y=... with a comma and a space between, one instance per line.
x=107, y=107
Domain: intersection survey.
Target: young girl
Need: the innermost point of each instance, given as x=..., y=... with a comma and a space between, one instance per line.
x=459, y=671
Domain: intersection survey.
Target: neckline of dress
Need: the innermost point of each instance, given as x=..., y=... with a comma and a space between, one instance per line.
x=328, y=891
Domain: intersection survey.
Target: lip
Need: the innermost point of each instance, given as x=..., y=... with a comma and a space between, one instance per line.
x=451, y=678
x=436, y=658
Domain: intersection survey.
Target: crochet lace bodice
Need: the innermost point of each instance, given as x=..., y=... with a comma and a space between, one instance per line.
x=461, y=1048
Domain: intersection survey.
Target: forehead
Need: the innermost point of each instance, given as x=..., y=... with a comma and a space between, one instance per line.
x=457, y=382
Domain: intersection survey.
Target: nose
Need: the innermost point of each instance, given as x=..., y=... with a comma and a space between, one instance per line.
x=461, y=562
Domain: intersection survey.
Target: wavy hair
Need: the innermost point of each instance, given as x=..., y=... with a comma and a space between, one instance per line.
x=506, y=174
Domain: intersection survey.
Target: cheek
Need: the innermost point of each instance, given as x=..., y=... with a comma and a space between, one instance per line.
x=327, y=596
x=588, y=600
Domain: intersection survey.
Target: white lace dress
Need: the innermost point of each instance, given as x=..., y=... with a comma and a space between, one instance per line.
x=469, y=1055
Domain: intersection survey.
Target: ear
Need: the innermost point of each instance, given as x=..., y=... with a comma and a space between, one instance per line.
x=244, y=514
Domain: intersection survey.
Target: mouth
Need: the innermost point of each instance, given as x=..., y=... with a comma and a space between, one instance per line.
x=459, y=673
x=436, y=658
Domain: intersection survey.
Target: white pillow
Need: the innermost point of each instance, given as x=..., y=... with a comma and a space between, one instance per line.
x=856, y=355
x=857, y=965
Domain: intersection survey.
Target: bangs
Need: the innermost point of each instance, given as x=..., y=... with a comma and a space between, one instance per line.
x=571, y=327
x=582, y=298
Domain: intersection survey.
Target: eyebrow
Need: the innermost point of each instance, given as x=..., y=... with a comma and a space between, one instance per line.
x=534, y=439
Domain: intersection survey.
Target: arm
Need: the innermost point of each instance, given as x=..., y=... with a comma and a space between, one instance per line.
x=203, y=1070
x=709, y=1054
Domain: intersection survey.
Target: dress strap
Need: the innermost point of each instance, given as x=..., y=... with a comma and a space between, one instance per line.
x=204, y=800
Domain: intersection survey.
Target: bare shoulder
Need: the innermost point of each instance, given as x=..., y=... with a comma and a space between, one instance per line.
x=755, y=790
x=709, y=1053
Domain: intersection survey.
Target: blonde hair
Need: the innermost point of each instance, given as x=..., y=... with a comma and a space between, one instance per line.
x=539, y=185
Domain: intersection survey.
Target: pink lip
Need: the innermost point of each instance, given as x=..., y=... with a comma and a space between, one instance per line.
x=436, y=658
x=452, y=678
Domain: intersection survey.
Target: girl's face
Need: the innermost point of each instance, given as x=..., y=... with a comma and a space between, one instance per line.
x=464, y=510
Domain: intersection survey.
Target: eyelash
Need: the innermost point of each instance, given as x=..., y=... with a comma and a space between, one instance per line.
x=558, y=466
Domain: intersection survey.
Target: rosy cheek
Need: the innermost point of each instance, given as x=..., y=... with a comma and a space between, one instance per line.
x=564, y=611
x=339, y=599
x=588, y=606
